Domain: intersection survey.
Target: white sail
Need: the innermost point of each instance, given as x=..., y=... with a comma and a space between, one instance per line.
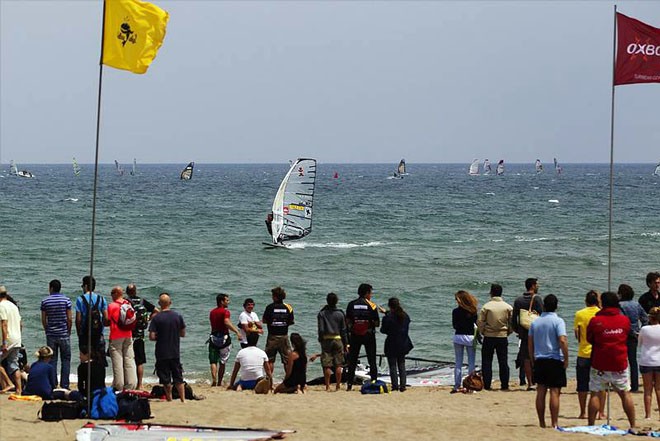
x=76, y=167
x=292, y=206
x=500, y=167
x=187, y=173
x=557, y=167
x=119, y=168
x=134, y=166
x=474, y=168
x=487, y=167
x=13, y=169
x=401, y=169
x=657, y=170
x=538, y=166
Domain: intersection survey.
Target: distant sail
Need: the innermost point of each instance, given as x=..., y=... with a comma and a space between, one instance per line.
x=133, y=171
x=119, y=168
x=14, y=171
x=474, y=168
x=187, y=173
x=538, y=166
x=336, y=175
x=487, y=168
x=292, y=206
x=500, y=167
x=76, y=167
x=13, y=168
x=557, y=167
x=401, y=169
x=657, y=170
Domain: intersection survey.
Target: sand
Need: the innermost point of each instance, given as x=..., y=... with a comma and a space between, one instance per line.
x=419, y=413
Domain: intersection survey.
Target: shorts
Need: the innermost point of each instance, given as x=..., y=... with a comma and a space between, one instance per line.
x=275, y=344
x=649, y=369
x=169, y=371
x=138, y=349
x=219, y=355
x=10, y=358
x=600, y=380
x=523, y=353
x=582, y=370
x=332, y=353
x=549, y=372
x=247, y=384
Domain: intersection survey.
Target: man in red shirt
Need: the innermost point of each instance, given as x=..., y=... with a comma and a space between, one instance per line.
x=124, y=374
x=608, y=332
x=219, y=341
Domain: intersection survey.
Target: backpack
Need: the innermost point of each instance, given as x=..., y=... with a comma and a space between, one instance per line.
x=374, y=387
x=93, y=315
x=133, y=408
x=141, y=314
x=60, y=410
x=127, y=317
x=104, y=404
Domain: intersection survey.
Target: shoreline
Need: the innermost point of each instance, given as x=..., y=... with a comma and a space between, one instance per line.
x=418, y=413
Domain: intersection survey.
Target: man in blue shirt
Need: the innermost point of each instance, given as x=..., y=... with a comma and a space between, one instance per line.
x=57, y=319
x=91, y=299
x=548, y=351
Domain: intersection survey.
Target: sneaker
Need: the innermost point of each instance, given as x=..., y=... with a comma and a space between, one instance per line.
x=453, y=391
x=402, y=389
x=349, y=387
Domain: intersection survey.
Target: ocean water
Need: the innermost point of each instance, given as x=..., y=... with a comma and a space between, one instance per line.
x=420, y=238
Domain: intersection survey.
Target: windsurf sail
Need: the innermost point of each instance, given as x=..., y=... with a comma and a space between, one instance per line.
x=292, y=206
x=500, y=167
x=401, y=169
x=187, y=173
x=119, y=168
x=134, y=166
x=487, y=168
x=13, y=168
x=538, y=166
x=657, y=170
x=474, y=168
x=557, y=167
x=76, y=167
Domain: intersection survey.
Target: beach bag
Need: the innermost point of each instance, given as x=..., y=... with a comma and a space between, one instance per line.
x=60, y=410
x=360, y=328
x=94, y=315
x=158, y=391
x=527, y=316
x=104, y=404
x=473, y=382
x=133, y=408
x=374, y=387
x=219, y=341
x=187, y=392
x=127, y=317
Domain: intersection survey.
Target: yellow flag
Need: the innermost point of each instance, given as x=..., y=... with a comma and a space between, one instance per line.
x=134, y=31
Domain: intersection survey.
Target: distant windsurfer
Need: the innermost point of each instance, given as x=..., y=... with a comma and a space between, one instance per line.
x=269, y=223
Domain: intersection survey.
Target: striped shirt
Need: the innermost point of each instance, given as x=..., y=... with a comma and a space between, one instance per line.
x=55, y=306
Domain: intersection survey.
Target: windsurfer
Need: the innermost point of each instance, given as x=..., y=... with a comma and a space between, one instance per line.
x=269, y=223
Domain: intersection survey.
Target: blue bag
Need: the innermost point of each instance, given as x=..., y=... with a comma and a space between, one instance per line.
x=104, y=404
x=374, y=387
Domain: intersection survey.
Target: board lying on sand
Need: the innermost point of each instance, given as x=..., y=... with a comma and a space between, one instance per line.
x=152, y=432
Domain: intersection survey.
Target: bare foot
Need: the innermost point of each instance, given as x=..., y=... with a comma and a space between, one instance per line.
x=582, y=416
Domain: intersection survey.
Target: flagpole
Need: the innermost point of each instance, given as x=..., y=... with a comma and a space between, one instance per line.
x=91, y=254
x=611, y=202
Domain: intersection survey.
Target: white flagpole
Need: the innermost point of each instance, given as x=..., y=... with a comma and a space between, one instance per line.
x=611, y=201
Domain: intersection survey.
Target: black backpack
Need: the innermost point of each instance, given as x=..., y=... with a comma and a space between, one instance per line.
x=61, y=410
x=141, y=314
x=93, y=314
x=132, y=408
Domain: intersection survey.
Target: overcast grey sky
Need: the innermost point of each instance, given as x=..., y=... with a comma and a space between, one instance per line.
x=341, y=81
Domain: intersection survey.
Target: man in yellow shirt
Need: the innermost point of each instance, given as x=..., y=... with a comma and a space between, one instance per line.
x=583, y=365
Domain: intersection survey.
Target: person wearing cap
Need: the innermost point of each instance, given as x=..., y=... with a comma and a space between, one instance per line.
x=11, y=324
x=42, y=378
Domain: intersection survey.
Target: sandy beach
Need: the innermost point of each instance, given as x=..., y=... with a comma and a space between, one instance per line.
x=419, y=413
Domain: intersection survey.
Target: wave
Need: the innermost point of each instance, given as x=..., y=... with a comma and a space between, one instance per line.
x=302, y=245
x=71, y=200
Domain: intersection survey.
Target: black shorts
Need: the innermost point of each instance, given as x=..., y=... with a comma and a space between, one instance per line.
x=138, y=349
x=549, y=372
x=582, y=370
x=523, y=352
x=169, y=371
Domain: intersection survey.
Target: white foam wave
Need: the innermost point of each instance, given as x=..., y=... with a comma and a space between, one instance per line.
x=553, y=201
x=654, y=234
x=344, y=245
x=491, y=193
x=71, y=199
x=532, y=239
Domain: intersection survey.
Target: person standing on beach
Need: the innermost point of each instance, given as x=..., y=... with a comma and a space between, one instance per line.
x=90, y=301
x=57, y=320
x=649, y=342
x=248, y=321
x=331, y=324
x=651, y=297
x=529, y=300
x=166, y=329
x=124, y=374
x=607, y=332
x=464, y=320
x=144, y=311
x=548, y=350
x=11, y=324
x=362, y=320
x=637, y=316
x=220, y=319
x=396, y=324
x=494, y=323
x=278, y=316
x=583, y=363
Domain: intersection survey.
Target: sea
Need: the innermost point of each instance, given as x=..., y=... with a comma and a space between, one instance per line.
x=420, y=238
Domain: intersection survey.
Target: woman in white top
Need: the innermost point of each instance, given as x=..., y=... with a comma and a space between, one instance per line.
x=649, y=361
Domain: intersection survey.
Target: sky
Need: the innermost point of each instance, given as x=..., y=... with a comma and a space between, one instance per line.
x=339, y=81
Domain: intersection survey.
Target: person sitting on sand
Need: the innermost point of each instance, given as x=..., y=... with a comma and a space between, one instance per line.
x=42, y=378
x=251, y=364
x=296, y=368
x=95, y=363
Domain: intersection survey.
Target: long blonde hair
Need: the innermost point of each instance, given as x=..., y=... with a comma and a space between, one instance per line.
x=466, y=301
x=654, y=315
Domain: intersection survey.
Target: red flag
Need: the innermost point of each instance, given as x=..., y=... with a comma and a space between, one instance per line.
x=638, y=52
